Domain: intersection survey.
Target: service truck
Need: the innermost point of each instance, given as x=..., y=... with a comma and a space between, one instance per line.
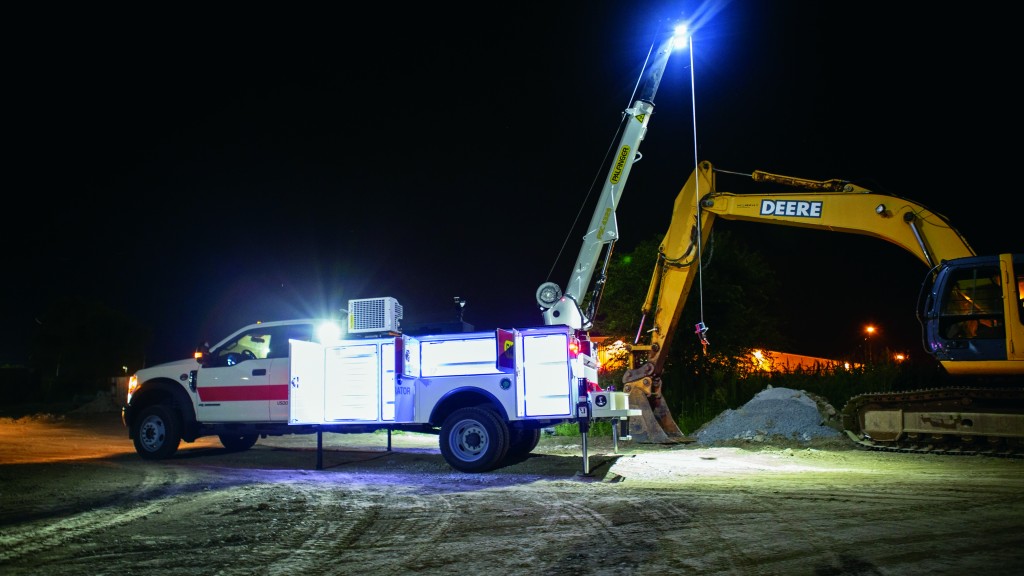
x=487, y=395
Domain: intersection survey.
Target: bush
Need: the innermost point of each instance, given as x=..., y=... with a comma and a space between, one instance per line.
x=600, y=428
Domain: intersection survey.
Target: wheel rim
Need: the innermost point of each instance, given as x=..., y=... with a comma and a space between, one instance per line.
x=152, y=433
x=468, y=440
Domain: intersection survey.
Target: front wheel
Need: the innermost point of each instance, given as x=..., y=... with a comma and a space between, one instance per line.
x=157, y=433
x=238, y=442
x=473, y=439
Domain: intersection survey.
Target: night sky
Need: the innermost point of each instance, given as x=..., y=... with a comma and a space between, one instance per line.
x=203, y=169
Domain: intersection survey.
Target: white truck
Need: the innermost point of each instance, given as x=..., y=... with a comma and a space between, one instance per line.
x=486, y=394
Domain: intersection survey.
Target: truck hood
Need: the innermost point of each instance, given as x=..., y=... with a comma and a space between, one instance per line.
x=173, y=369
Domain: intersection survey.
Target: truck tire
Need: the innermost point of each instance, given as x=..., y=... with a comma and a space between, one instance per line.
x=474, y=439
x=157, y=433
x=238, y=442
x=522, y=441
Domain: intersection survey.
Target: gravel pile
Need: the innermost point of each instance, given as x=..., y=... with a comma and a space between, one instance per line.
x=774, y=413
x=102, y=403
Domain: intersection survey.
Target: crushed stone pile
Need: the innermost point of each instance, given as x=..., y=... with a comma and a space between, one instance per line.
x=103, y=402
x=774, y=413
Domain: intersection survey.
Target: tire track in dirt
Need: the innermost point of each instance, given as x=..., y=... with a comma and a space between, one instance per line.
x=355, y=520
x=605, y=529
x=369, y=526
x=740, y=532
x=157, y=485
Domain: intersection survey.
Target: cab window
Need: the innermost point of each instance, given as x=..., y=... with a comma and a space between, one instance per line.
x=280, y=335
x=261, y=343
x=973, y=305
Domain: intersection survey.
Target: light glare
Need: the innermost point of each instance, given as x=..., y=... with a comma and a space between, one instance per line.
x=680, y=37
x=328, y=332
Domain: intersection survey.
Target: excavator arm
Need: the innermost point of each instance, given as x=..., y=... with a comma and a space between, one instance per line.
x=832, y=205
x=674, y=273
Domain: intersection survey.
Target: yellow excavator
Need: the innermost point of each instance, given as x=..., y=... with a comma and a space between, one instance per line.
x=970, y=309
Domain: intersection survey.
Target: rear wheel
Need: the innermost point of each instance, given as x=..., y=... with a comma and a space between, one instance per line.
x=521, y=442
x=238, y=442
x=157, y=433
x=474, y=439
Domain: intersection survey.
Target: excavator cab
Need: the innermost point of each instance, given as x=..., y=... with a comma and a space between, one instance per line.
x=970, y=311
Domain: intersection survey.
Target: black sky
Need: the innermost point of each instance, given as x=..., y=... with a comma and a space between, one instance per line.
x=202, y=170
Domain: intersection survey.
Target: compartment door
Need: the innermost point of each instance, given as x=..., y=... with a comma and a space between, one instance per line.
x=352, y=375
x=306, y=383
x=546, y=381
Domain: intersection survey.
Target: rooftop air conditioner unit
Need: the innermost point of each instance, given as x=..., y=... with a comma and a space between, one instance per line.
x=374, y=315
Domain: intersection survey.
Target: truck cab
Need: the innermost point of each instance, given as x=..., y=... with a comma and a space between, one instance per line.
x=244, y=378
x=236, y=389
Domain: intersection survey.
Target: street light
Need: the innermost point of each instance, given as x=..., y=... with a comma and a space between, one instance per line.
x=869, y=331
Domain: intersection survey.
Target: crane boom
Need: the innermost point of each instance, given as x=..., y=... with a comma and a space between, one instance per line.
x=566, y=307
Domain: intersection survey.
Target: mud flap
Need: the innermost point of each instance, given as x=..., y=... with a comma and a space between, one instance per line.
x=655, y=424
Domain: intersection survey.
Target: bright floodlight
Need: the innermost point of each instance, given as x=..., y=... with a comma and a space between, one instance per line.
x=679, y=37
x=328, y=332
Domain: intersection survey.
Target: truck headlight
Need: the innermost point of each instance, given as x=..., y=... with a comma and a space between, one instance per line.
x=133, y=385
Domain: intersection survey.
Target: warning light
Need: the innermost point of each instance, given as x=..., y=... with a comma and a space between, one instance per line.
x=574, y=347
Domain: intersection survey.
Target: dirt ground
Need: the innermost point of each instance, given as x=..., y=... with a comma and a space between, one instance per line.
x=75, y=499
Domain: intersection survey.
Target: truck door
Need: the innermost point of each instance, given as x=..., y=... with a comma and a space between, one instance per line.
x=236, y=393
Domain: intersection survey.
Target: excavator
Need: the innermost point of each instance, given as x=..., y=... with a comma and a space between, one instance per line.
x=970, y=309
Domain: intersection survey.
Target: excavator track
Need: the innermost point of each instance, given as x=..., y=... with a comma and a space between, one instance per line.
x=954, y=421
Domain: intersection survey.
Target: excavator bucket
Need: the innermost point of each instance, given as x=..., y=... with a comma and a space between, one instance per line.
x=655, y=424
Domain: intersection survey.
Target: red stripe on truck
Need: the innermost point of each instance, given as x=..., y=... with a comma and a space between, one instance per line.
x=257, y=393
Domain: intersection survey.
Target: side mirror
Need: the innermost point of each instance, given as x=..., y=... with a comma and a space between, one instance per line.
x=202, y=354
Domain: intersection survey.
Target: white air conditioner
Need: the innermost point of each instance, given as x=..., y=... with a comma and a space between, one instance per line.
x=374, y=315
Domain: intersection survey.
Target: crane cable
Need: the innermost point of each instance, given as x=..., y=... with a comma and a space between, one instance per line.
x=701, y=328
